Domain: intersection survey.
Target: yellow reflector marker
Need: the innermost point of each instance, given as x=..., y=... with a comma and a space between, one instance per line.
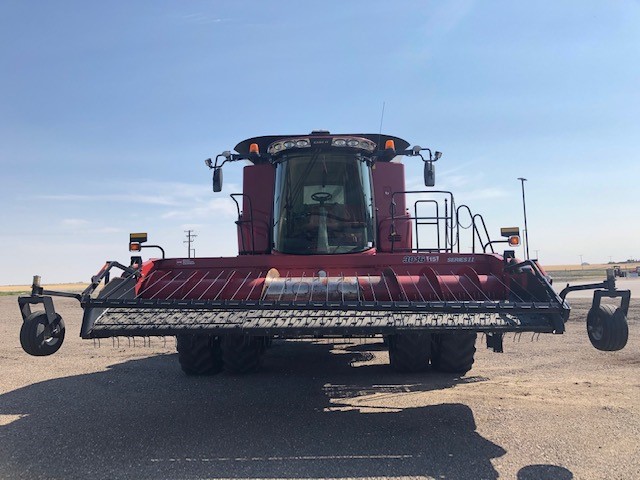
x=509, y=231
x=514, y=240
x=137, y=237
x=135, y=247
x=389, y=145
x=253, y=148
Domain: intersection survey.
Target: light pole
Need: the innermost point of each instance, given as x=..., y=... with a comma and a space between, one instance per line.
x=524, y=209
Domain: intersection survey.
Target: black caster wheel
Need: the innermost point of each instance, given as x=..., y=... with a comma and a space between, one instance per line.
x=607, y=328
x=38, y=337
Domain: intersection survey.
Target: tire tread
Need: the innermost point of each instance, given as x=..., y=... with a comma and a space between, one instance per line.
x=454, y=352
x=410, y=353
x=199, y=354
x=241, y=354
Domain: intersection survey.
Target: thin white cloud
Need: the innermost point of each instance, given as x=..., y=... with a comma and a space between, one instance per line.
x=442, y=19
x=123, y=197
x=202, y=18
x=86, y=226
x=447, y=16
x=461, y=185
x=214, y=207
x=74, y=222
x=107, y=230
x=170, y=194
x=484, y=193
x=192, y=205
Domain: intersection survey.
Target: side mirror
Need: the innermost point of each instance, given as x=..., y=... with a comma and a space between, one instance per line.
x=217, y=179
x=429, y=174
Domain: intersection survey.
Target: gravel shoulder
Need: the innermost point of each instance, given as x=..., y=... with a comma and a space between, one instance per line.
x=549, y=407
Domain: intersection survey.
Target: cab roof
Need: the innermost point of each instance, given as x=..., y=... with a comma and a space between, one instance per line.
x=264, y=141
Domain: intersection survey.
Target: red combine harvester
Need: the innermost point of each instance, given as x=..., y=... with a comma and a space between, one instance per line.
x=330, y=246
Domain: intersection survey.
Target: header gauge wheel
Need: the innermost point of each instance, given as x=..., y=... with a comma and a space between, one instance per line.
x=607, y=328
x=38, y=337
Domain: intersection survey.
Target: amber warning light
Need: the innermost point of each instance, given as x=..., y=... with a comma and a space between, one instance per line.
x=136, y=240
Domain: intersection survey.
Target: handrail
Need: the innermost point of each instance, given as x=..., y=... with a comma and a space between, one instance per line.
x=451, y=219
x=241, y=221
x=448, y=218
x=484, y=225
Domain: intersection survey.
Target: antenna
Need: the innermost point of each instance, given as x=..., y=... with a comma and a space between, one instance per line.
x=381, y=120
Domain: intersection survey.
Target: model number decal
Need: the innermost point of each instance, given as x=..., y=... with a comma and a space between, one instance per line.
x=461, y=259
x=420, y=259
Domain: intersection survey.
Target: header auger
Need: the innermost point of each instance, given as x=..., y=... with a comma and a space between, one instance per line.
x=331, y=244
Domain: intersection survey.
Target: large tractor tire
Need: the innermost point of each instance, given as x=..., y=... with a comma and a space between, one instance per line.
x=607, y=328
x=453, y=352
x=241, y=353
x=409, y=352
x=199, y=354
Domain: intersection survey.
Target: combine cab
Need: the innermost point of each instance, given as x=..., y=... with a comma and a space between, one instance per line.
x=331, y=244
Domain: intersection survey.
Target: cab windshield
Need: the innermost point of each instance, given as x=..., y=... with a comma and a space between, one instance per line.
x=323, y=204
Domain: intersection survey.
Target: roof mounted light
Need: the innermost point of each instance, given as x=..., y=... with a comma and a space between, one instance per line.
x=282, y=145
x=341, y=142
x=354, y=142
x=254, y=148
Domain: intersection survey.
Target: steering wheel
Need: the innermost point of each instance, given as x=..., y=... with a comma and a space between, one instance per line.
x=321, y=197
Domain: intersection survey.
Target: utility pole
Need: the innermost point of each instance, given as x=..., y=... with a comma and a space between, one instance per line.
x=581, y=266
x=190, y=238
x=524, y=209
x=537, y=257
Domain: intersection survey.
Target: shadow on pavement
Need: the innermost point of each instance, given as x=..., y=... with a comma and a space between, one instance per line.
x=544, y=472
x=145, y=419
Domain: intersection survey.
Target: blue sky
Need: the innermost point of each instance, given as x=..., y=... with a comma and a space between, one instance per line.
x=108, y=110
